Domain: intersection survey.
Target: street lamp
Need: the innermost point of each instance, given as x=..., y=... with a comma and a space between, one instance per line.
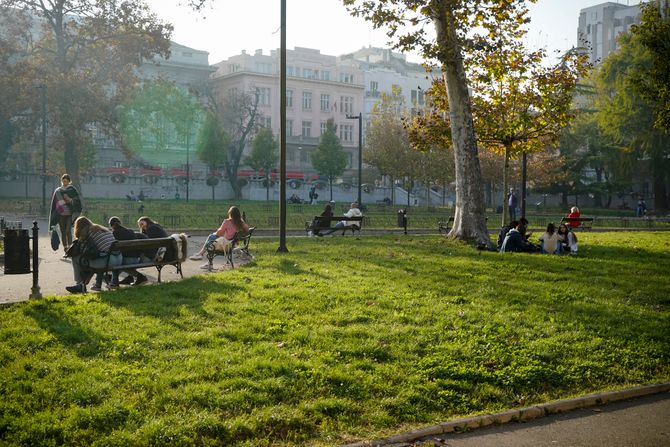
x=359, y=117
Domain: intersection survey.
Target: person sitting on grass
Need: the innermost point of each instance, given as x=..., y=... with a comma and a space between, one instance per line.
x=550, y=240
x=515, y=240
x=568, y=239
x=101, y=240
x=503, y=232
x=353, y=212
x=229, y=227
x=122, y=233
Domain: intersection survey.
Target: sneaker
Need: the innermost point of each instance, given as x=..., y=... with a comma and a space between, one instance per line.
x=77, y=288
x=206, y=266
x=195, y=257
x=96, y=288
x=128, y=280
x=141, y=279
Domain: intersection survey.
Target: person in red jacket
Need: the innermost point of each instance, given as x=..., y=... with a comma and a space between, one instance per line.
x=574, y=212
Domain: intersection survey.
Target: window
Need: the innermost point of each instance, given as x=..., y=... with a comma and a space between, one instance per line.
x=289, y=128
x=263, y=96
x=308, y=73
x=233, y=68
x=346, y=104
x=265, y=121
x=232, y=92
x=290, y=70
x=324, y=127
x=307, y=100
x=289, y=98
x=324, y=75
x=346, y=132
x=263, y=67
x=374, y=86
x=347, y=78
x=306, y=129
x=325, y=102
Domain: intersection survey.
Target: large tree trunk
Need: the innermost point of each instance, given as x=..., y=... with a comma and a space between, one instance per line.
x=469, y=217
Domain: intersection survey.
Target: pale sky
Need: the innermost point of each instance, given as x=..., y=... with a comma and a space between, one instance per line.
x=230, y=26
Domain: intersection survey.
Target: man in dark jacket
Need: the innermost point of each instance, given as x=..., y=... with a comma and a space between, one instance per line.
x=516, y=240
x=122, y=233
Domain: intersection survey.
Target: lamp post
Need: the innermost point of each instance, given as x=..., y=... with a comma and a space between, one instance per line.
x=360, y=151
x=188, y=165
x=43, y=101
x=282, y=123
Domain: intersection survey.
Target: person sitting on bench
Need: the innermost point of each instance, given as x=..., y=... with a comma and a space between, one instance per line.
x=574, y=214
x=353, y=212
x=317, y=224
x=122, y=233
x=227, y=230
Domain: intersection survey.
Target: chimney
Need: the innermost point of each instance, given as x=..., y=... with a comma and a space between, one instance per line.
x=258, y=52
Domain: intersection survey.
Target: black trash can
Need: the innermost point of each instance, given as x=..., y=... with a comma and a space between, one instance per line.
x=17, y=252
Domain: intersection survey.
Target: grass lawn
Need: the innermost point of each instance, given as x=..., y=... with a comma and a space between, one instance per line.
x=342, y=339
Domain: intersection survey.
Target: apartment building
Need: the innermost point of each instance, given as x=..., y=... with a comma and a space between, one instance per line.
x=600, y=25
x=317, y=89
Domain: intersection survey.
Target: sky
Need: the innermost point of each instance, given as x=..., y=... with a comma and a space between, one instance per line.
x=230, y=26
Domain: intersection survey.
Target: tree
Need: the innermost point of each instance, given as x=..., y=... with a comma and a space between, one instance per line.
x=264, y=155
x=652, y=79
x=460, y=25
x=387, y=145
x=329, y=158
x=212, y=144
x=238, y=114
x=627, y=118
x=87, y=55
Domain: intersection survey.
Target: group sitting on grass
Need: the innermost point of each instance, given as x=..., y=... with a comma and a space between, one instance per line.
x=514, y=238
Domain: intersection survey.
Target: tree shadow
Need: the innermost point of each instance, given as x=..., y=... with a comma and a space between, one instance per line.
x=81, y=340
x=168, y=301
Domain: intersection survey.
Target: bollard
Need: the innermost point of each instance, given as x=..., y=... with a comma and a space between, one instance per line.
x=402, y=219
x=35, y=290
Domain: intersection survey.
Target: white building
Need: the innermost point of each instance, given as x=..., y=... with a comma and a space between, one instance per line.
x=600, y=25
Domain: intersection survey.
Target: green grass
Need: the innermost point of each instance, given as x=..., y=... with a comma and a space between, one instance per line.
x=341, y=339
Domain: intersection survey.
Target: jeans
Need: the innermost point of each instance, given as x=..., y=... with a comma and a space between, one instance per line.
x=114, y=260
x=65, y=224
x=338, y=226
x=127, y=260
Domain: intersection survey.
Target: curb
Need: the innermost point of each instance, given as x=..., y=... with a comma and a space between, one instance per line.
x=520, y=415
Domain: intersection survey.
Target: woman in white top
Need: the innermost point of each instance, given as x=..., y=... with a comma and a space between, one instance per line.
x=550, y=240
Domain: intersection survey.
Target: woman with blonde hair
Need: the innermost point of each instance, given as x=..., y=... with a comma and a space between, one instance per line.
x=574, y=213
x=99, y=239
x=229, y=227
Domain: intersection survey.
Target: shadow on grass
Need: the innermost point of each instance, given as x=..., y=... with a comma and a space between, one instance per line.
x=71, y=335
x=168, y=301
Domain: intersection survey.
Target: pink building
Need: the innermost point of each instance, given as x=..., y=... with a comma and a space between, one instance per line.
x=318, y=89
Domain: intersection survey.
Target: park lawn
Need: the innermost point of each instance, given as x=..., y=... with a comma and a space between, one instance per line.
x=339, y=340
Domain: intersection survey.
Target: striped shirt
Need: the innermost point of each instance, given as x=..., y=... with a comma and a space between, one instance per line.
x=103, y=240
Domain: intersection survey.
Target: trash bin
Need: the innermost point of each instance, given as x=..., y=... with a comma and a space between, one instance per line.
x=17, y=252
x=402, y=219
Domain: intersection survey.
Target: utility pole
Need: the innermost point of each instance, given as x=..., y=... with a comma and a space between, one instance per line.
x=43, y=100
x=360, y=151
x=282, y=123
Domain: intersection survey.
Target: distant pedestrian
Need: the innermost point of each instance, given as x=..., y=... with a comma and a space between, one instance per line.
x=512, y=204
x=65, y=208
x=641, y=208
x=313, y=195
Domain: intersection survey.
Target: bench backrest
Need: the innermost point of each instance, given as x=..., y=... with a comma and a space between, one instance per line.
x=576, y=219
x=338, y=218
x=242, y=239
x=169, y=243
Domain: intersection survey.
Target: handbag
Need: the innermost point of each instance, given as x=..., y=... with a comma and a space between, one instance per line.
x=74, y=250
x=55, y=239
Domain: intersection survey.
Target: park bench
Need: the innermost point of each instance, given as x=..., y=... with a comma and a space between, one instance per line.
x=166, y=247
x=314, y=226
x=585, y=223
x=444, y=227
x=240, y=243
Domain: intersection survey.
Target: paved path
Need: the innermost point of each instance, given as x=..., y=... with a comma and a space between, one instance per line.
x=642, y=422
x=55, y=273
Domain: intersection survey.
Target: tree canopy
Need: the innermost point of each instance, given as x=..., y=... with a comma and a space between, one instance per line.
x=86, y=53
x=329, y=158
x=264, y=155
